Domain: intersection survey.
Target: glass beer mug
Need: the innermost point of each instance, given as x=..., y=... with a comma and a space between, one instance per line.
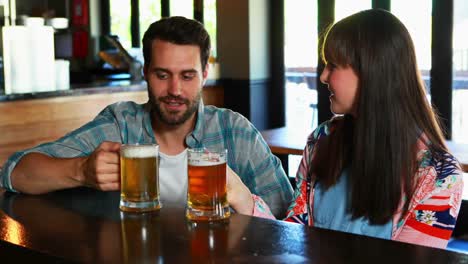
x=139, y=178
x=207, y=185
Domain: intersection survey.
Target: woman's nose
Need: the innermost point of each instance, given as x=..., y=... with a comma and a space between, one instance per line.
x=324, y=76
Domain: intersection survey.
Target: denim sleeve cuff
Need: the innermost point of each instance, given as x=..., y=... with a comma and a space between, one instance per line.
x=5, y=174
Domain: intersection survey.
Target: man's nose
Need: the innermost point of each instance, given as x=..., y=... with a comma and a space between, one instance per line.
x=175, y=86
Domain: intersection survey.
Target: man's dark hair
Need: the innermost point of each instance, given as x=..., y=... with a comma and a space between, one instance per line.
x=178, y=30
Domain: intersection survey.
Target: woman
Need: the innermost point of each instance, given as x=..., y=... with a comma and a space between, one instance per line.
x=380, y=167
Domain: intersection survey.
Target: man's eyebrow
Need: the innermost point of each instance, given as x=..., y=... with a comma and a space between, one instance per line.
x=189, y=71
x=161, y=69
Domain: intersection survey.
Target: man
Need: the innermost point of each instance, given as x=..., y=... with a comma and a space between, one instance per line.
x=176, y=52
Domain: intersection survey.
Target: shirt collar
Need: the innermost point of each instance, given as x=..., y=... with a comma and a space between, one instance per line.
x=194, y=139
x=148, y=127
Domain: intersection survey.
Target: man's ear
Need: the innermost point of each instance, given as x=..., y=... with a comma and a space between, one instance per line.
x=145, y=71
x=205, y=73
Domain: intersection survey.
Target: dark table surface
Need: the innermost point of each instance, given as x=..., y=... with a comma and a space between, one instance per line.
x=86, y=226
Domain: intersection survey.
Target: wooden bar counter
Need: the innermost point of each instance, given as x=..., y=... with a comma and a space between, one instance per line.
x=86, y=226
x=27, y=120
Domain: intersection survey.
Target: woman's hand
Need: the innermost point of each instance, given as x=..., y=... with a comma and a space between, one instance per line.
x=239, y=196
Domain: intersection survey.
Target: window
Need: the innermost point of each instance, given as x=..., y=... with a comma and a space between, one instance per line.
x=301, y=56
x=460, y=72
x=209, y=19
x=344, y=8
x=150, y=11
x=181, y=8
x=419, y=27
x=120, y=21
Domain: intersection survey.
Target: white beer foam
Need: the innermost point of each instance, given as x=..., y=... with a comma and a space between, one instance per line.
x=205, y=162
x=140, y=151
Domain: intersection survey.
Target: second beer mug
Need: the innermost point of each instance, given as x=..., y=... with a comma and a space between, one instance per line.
x=207, y=189
x=139, y=178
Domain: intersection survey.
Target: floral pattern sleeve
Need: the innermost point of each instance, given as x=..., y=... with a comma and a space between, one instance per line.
x=298, y=211
x=261, y=209
x=434, y=207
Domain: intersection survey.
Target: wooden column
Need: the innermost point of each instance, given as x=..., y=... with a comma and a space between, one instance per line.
x=382, y=4
x=441, y=72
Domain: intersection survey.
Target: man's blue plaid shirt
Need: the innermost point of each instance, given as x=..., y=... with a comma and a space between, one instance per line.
x=127, y=122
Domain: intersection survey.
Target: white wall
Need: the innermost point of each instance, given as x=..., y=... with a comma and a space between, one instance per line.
x=259, y=36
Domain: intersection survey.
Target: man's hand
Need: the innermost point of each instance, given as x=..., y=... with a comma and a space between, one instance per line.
x=101, y=170
x=239, y=196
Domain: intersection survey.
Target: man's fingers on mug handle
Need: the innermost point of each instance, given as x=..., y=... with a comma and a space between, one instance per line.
x=112, y=158
x=108, y=178
x=110, y=146
x=113, y=186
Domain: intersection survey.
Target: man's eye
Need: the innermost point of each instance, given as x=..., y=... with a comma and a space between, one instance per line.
x=161, y=76
x=188, y=76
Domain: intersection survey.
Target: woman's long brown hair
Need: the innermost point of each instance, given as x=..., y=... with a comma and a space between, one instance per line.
x=378, y=146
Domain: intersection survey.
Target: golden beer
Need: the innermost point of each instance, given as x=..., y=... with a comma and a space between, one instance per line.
x=139, y=178
x=207, y=189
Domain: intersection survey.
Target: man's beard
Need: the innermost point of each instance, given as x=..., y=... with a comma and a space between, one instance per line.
x=173, y=118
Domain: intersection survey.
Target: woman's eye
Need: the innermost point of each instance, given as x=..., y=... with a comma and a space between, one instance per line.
x=331, y=66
